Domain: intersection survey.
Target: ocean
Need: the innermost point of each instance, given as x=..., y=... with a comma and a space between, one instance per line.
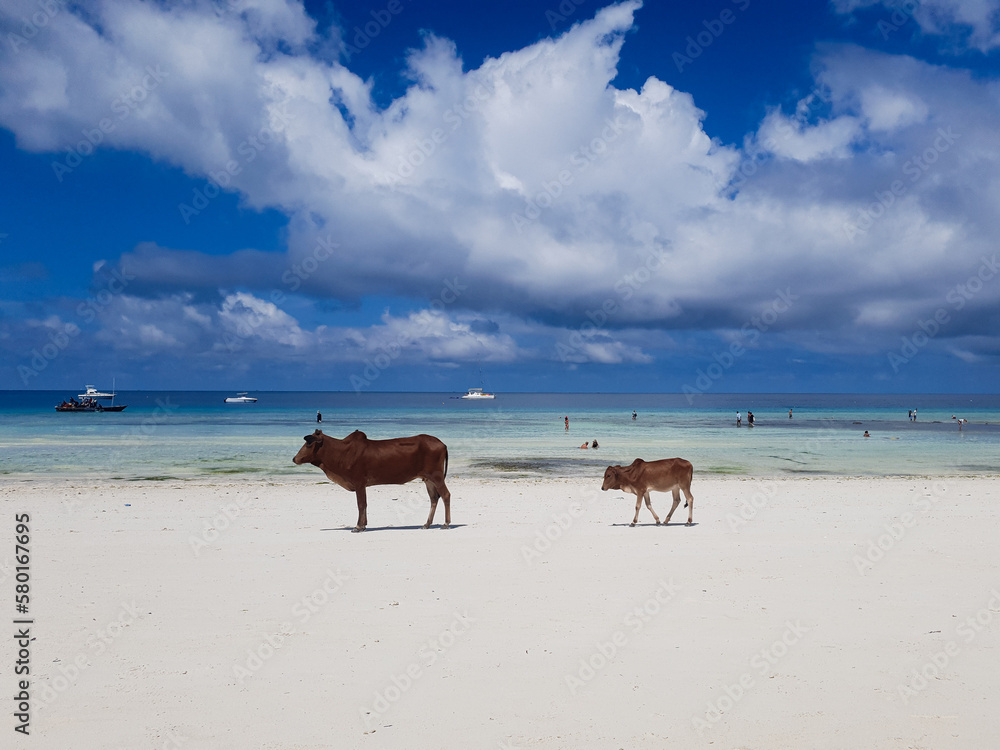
x=194, y=434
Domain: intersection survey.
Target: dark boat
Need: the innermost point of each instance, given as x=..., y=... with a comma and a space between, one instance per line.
x=92, y=400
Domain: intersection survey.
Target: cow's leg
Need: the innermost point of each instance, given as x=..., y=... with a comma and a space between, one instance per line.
x=638, y=504
x=362, y=509
x=650, y=506
x=690, y=504
x=446, y=496
x=677, y=501
x=434, y=495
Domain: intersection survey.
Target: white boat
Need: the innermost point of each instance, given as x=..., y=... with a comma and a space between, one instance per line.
x=478, y=393
x=92, y=392
x=241, y=398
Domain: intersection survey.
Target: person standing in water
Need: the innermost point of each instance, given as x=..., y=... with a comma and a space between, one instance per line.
x=739, y=419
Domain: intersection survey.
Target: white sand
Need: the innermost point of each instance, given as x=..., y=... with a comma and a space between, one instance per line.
x=765, y=634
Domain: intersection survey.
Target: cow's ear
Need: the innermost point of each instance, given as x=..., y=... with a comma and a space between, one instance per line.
x=310, y=439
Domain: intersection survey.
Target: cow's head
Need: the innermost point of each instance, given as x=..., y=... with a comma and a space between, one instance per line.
x=309, y=453
x=612, y=478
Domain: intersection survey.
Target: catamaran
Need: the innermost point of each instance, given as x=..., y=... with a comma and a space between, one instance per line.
x=478, y=393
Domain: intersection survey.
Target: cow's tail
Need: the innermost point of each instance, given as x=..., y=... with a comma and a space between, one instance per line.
x=445, y=463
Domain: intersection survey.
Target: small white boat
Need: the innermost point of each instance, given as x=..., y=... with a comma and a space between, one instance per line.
x=241, y=398
x=478, y=393
x=92, y=392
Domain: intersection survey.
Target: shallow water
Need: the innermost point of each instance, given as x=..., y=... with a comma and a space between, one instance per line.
x=188, y=434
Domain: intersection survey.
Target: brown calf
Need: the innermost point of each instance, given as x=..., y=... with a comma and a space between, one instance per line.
x=668, y=474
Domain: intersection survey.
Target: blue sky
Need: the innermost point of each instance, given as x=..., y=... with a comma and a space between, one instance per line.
x=723, y=196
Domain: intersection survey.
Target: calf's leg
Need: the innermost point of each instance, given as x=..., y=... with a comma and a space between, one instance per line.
x=650, y=506
x=638, y=504
x=677, y=501
x=690, y=504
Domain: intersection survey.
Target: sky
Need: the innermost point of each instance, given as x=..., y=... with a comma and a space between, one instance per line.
x=397, y=195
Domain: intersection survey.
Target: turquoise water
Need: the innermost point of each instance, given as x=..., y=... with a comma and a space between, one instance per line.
x=187, y=434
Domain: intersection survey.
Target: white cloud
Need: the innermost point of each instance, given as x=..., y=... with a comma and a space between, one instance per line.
x=151, y=335
x=888, y=110
x=977, y=22
x=966, y=356
x=605, y=352
x=249, y=317
x=966, y=23
x=790, y=138
x=258, y=331
x=425, y=335
x=536, y=184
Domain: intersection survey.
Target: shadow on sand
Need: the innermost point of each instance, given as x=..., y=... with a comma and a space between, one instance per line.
x=398, y=528
x=650, y=523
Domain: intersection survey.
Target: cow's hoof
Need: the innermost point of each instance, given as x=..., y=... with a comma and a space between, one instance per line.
x=657, y=523
x=689, y=523
x=357, y=529
x=426, y=526
x=446, y=526
x=632, y=524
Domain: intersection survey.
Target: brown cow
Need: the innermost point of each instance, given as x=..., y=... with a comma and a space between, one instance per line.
x=668, y=474
x=356, y=463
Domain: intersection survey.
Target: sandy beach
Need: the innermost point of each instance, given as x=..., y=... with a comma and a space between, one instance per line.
x=821, y=613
